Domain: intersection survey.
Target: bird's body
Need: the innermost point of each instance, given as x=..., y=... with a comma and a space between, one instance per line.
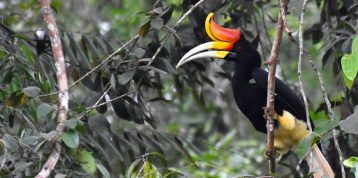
x=249, y=87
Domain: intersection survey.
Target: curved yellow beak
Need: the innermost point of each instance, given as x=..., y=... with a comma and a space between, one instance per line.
x=221, y=49
x=223, y=42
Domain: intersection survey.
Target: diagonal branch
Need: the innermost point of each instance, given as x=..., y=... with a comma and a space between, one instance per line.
x=58, y=56
x=269, y=110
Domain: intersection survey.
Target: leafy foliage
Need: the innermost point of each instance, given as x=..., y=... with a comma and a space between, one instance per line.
x=131, y=113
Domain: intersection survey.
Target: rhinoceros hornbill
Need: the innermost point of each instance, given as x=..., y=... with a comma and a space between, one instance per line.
x=249, y=86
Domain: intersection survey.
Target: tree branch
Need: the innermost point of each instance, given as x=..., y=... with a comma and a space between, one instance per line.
x=324, y=93
x=59, y=59
x=269, y=111
x=299, y=67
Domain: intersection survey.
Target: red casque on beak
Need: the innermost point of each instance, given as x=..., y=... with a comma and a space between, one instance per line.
x=218, y=33
x=223, y=42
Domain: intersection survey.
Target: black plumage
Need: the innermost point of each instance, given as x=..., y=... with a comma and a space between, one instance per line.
x=249, y=85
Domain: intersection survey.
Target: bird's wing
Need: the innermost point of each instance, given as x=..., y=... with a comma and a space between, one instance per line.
x=285, y=98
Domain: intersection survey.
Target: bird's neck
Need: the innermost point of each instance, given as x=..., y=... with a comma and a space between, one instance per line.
x=245, y=66
x=242, y=74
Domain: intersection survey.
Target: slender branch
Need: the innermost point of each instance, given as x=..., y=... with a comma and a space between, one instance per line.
x=107, y=59
x=4, y=153
x=285, y=22
x=269, y=110
x=59, y=59
x=299, y=68
x=142, y=167
x=330, y=111
x=299, y=72
x=176, y=25
x=324, y=93
x=118, y=97
x=103, y=95
x=24, y=117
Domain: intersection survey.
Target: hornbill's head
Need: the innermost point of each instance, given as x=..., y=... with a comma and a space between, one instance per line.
x=228, y=44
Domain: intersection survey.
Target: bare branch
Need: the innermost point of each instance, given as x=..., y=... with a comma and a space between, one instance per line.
x=59, y=59
x=118, y=97
x=4, y=153
x=107, y=59
x=24, y=117
x=324, y=93
x=299, y=68
x=330, y=111
x=269, y=110
x=285, y=22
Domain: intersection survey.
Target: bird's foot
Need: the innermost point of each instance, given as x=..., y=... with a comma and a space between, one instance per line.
x=269, y=155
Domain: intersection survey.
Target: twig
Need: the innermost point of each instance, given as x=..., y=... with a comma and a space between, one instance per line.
x=24, y=117
x=329, y=108
x=59, y=59
x=142, y=167
x=269, y=110
x=105, y=60
x=118, y=97
x=285, y=21
x=4, y=153
x=103, y=95
x=299, y=67
x=340, y=155
x=324, y=93
x=299, y=72
x=108, y=58
x=176, y=25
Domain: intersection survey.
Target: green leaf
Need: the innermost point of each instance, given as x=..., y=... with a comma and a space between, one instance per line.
x=350, y=124
x=126, y=77
x=30, y=140
x=227, y=140
x=103, y=171
x=72, y=123
x=43, y=110
x=87, y=161
x=144, y=29
x=157, y=23
x=349, y=83
x=10, y=143
x=351, y=162
x=48, y=136
x=349, y=66
x=31, y=91
x=322, y=124
x=148, y=170
x=27, y=53
x=22, y=165
x=71, y=139
x=305, y=145
x=132, y=169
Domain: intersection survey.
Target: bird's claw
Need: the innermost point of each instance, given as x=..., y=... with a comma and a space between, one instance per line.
x=268, y=154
